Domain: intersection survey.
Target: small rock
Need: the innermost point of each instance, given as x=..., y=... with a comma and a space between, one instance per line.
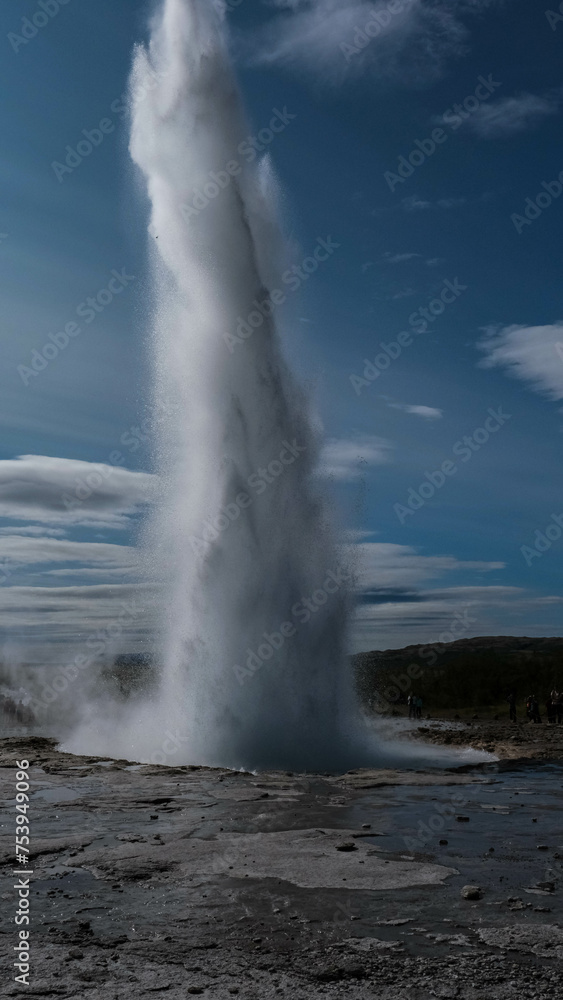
x=75, y=953
x=443, y=843
x=195, y=989
x=366, y=826
x=346, y=846
x=542, y=847
x=462, y=819
x=471, y=892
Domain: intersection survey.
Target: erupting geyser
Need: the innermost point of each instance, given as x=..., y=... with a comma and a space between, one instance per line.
x=241, y=534
x=252, y=661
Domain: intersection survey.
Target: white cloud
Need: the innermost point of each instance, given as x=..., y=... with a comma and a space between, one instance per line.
x=68, y=491
x=456, y=612
x=19, y=550
x=415, y=204
x=55, y=617
x=345, y=459
x=426, y=412
x=531, y=353
x=451, y=202
x=399, y=258
x=388, y=565
x=510, y=115
x=327, y=39
x=35, y=531
x=404, y=599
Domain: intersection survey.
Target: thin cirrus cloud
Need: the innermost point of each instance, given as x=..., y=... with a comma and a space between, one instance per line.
x=511, y=115
x=533, y=354
x=399, y=258
x=416, y=204
x=68, y=491
x=404, y=598
x=389, y=565
x=450, y=613
x=21, y=551
x=68, y=616
x=334, y=40
x=345, y=459
x=426, y=412
x=33, y=531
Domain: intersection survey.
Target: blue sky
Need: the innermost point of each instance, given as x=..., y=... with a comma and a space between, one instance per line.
x=364, y=93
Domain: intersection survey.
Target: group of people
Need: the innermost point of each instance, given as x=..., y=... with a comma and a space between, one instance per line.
x=553, y=705
x=16, y=711
x=415, y=706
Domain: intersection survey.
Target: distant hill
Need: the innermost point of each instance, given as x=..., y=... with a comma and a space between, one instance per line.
x=474, y=672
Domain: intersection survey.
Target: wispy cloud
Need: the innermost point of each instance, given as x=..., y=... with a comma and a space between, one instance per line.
x=416, y=204
x=405, y=597
x=399, y=258
x=533, y=354
x=22, y=551
x=34, y=531
x=426, y=412
x=68, y=491
x=329, y=40
x=385, y=564
x=511, y=115
x=345, y=459
x=53, y=618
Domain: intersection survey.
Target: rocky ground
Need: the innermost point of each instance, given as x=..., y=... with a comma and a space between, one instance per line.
x=182, y=881
x=508, y=740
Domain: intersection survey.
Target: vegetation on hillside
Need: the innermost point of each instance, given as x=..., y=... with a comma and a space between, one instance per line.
x=469, y=673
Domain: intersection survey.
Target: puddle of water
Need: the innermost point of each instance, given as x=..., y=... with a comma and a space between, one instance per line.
x=60, y=794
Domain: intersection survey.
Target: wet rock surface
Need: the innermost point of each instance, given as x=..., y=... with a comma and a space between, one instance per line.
x=508, y=740
x=241, y=887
